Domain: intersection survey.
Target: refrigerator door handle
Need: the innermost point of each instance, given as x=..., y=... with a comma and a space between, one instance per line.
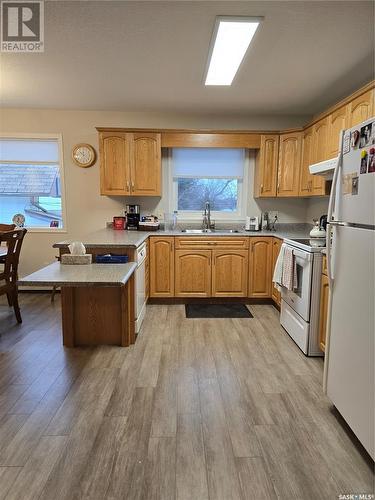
x=331, y=206
x=351, y=224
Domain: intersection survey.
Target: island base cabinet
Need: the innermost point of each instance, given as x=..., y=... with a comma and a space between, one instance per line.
x=193, y=273
x=161, y=266
x=98, y=315
x=260, y=265
x=229, y=273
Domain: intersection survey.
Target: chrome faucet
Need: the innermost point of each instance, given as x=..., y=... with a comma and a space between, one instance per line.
x=206, y=223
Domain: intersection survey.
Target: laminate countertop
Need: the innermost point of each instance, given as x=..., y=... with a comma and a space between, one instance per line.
x=57, y=274
x=115, y=238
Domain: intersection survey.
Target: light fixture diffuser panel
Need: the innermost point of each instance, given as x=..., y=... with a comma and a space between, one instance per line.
x=230, y=44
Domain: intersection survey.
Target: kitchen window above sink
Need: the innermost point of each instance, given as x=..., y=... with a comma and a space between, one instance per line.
x=214, y=175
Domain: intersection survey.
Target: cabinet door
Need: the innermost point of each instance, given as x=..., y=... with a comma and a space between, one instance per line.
x=266, y=167
x=361, y=108
x=260, y=263
x=289, y=164
x=337, y=121
x=114, y=148
x=146, y=164
x=229, y=273
x=193, y=273
x=324, y=295
x=161, y=266
x=276, y=245
x=306, y=179
x=320, y=133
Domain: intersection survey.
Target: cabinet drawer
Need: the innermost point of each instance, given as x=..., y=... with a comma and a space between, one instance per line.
x=212, y=242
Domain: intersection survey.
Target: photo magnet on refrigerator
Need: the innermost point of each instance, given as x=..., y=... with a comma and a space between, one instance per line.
x=364, y=139
x=346, y=143
x=371, y=161
x=364, y=158
x=354, y=139
x=372, y=136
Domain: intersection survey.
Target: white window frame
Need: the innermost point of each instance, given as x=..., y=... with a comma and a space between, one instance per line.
x=59, y=139
x=196, y=215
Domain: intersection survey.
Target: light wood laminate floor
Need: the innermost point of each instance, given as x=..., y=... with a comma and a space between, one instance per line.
x=219, y=409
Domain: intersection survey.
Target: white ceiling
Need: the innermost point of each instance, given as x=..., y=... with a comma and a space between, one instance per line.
x=151, y=56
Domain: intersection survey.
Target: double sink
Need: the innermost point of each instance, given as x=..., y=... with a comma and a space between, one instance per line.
x=203, y=231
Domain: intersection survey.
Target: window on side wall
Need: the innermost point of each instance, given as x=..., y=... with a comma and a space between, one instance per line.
x=31, y=181
x=208, y=174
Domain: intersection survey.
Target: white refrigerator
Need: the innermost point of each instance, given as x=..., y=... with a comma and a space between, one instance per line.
x=349, y=360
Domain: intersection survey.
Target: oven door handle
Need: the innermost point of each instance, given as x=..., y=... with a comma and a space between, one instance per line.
x=301, y=255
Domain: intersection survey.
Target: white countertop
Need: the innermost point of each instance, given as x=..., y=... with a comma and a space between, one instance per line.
x=57, y=274
x=112, y=237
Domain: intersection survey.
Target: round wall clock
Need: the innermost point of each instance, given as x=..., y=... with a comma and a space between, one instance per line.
x=83, y=155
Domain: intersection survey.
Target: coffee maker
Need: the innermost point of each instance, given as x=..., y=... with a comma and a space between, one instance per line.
x=133, y=215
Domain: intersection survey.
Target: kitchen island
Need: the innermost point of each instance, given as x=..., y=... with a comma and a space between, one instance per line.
x=97, y=301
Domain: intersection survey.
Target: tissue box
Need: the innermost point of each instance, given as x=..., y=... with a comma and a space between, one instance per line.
x=67, y=258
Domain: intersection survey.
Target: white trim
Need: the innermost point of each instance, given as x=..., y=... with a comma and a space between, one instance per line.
x=59, y=138
x=194, y=216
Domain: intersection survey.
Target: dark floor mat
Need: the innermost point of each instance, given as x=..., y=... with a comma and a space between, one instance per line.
x=217, y=311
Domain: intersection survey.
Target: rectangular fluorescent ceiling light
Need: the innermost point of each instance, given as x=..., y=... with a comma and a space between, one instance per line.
x=230, y=40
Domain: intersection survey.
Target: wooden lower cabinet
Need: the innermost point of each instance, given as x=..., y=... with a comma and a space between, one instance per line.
x=211, y=272
x=193, y=273
x=162, y=266
x=229, y=273
x=324, y=296
x=276, y=245
x=260, y=265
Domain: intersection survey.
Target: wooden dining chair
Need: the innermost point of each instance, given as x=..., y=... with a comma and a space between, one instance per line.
x=4, y=228
x=8, y=275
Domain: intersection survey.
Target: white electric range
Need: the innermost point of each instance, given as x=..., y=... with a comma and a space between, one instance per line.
x=300, y=307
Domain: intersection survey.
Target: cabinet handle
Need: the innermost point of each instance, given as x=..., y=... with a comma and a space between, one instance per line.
x=132, y=186
x=261, y=188
x=127, y=185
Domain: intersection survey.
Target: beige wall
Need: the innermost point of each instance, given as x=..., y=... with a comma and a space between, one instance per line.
x=88, y=211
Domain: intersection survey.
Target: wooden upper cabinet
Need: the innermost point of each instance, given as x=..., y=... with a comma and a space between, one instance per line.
x=130, y=163
x=161, y=266
x=320, y=137
x=114, y=148
x=289, y=164
x=260, y=265
x=320, y=140
x=266, y=167
x=306, y=179
x=276, y=245
x=193, y=273
x=361, y=108
x=337, y=121
x=146, y=164
x=229, y=273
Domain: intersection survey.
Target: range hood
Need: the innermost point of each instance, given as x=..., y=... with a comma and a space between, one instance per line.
x=324, y=168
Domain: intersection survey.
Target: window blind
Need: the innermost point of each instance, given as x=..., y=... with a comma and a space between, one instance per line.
x=208, y=163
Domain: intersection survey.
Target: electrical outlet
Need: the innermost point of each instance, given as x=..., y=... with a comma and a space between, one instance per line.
x=272, y=214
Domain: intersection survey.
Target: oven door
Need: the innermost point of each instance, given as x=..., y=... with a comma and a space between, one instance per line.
x=299, y=299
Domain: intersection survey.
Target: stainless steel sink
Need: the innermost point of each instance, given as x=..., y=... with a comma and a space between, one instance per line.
x=226, y=231
x=204, y=231
x=196, y=231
